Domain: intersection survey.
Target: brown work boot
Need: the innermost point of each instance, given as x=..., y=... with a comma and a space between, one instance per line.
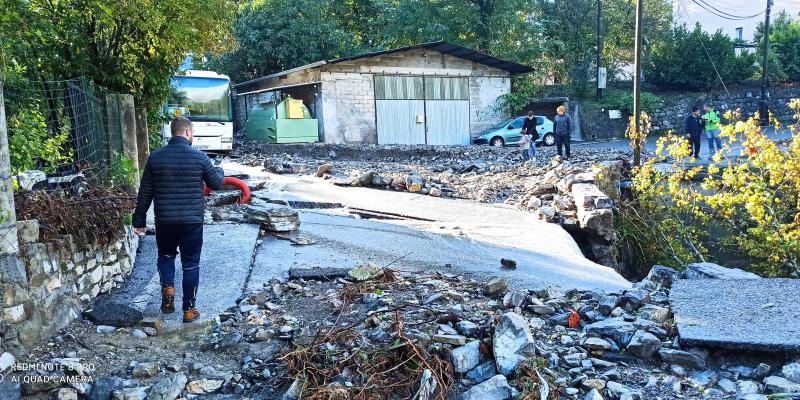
x=191, y=315
x=168, y=300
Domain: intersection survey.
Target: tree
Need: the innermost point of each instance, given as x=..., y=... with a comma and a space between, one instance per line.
x=127, y=47
x=275, y=35
x=570, y=36
x=784, y=51
x=687, y=60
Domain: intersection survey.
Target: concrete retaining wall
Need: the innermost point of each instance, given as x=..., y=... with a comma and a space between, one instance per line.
x=48, y=285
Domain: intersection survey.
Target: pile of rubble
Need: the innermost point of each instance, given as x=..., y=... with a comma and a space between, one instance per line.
x=374, y=333
x=565, y=193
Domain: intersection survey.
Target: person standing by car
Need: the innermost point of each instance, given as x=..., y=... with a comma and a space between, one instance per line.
x=529, y=128
x=563, y=128
x=712, y=129
x=173, y=180
x=694, y=131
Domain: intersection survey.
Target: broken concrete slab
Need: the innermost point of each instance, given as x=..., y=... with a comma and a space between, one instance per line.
x=273, y=217
x=707, y=270
x=749, y=314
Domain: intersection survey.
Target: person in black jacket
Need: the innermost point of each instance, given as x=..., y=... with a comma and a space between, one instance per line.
x=694, y=130
x=562, y=124
x=173, y=180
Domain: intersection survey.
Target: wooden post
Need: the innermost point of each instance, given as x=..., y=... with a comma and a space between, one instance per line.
x=142, y=137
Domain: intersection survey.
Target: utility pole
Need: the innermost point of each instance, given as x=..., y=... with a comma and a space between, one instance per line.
x=637, y=86
x=763, y=109
x=599, y=46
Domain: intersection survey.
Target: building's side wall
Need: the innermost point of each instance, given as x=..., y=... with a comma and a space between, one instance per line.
x=484, y=106
x=348, y=104
x=348, y=94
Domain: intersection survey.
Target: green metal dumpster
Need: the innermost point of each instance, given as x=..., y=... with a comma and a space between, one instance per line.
x=288, y=122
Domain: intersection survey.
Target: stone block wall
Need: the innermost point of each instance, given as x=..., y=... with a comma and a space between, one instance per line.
x=48, y=285
x=484, y=92
x=672, y=112
x=348, y=100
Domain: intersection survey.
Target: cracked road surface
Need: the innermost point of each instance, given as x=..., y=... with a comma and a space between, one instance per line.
x=451, y=236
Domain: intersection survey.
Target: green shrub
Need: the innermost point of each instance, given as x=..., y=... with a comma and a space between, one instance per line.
x=155, y=123
x=30, y=142
x=124, y=175
x=623, y=100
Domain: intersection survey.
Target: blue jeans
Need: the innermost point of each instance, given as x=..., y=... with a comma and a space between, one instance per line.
x=533, y=151
x=713, y=137
x=189, y=239
x=526, y=154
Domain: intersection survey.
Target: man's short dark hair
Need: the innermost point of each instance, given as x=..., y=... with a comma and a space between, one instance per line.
x=179, y=125
x=530, y=113
x=695, y=108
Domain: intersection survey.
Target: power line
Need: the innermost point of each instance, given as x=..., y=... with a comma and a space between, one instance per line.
x=729, y=14
x=722, y=14
x=728, y=7
x=715, y=67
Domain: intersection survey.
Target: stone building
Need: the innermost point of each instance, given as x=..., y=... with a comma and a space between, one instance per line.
x=432, y=93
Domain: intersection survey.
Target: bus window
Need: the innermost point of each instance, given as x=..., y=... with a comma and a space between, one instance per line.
x=200, y=99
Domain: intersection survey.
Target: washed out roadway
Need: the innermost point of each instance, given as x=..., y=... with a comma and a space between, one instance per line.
x=451, y=236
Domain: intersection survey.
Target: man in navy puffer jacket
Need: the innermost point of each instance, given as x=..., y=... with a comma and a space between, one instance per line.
x=173, y=180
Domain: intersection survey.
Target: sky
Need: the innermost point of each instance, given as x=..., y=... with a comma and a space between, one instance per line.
x=689, y=12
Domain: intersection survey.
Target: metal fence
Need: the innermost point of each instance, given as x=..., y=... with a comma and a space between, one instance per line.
x=63, y=136
x=76, y=117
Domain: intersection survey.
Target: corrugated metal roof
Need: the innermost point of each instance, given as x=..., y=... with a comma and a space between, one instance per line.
x=440, y=46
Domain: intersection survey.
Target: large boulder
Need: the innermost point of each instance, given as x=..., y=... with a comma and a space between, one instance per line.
x=168, y=388
x=792, y=372
x=496, y=388
x=467, y=357
x=776, y=384
x=620, y=330
x=662, y=277
x=512, y=337
x=643, y=344
x=688, y=359
x=708, y=270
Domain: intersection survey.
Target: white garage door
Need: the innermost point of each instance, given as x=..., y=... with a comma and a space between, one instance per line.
x=417, y=110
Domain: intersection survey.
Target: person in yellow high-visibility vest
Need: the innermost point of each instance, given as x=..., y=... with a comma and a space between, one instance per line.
x=711, y=128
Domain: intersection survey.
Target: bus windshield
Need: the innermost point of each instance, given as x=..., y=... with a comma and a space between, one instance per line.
x=200, y=99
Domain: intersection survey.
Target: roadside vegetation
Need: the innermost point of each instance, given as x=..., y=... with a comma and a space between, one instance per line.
x=746, y=203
